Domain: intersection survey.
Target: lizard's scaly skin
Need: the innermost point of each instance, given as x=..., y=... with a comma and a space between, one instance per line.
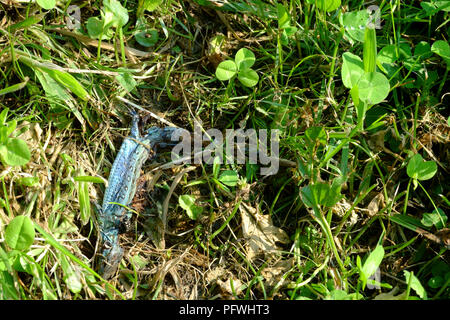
x=135, y=150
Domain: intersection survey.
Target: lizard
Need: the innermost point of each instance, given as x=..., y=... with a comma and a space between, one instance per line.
x=119, y=193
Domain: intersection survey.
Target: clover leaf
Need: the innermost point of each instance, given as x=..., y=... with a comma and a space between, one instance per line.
x=241, y=66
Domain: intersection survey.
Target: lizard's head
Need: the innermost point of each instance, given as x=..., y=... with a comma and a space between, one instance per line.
x=163, y=136
x=111, y=255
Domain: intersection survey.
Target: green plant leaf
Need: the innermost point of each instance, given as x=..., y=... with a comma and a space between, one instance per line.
x=127, y=81
x=14, y=87
x=415, y=284
x=216, y=167
x=11, y=127
x=71, y=277
x=3, y=116
x=248, y=77
x=443, y=5
x=372, y=263
x=187, y=202
x=352, y=69
x=373, y=87
x=229, y=178
x=68, y=81
x=94, y=27
x=423, y=49
x=244, y=59
x=370, y=50
x=436, y=218
x=150, y=5
x=19, y=233
x=320, y=194
x=46, y=4
x=226, y=70
x=354, y=93
x=83, y=200
x=354, y=23
x=15, y=152
x=442, y=48
x=8, y=289
x=147, y=38
x=114, y=14
x=419, y=169
x=328, y=5
x=386, y=59
x=315, y=135
x=24, y=24
x=283, y=17
x=28, y=181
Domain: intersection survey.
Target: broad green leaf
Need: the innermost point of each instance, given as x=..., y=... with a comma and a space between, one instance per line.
x=320, y=194
x=62, y=77
x=354, y=23
x=443, y=5
x=15, y=152
x=387, y=54
x=371, y=264
x=71, y=277
x=436, y=282
x=28, y=181
x=187, y=202
x=19, y=233
x=283, y=17
x=149, y=5
x=436, y=218
x=95, y=28
x=229, y=178
x=8, y=289
x=433, y=7
x=147, y=38
x=248, y=77
x=328, y=5
x=226, y=70
x=139, y=262
x=419, y=169
x=373, y=87
x=56, y=91
x=314, y=135
x=415, y=284
x=46, y=4
x=11, y=127
x=126, y=81
x=423, y=50
x=386, y=59
x=442, y=48
x=244, y=59
x=352, y=69
x=289, y=31
x=114, y=14
x=68, y=81
x=308, y=197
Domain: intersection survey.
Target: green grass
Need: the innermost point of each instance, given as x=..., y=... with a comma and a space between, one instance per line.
x=347, y=203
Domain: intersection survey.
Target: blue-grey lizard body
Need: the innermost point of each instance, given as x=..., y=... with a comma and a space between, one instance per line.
x=122, y=182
